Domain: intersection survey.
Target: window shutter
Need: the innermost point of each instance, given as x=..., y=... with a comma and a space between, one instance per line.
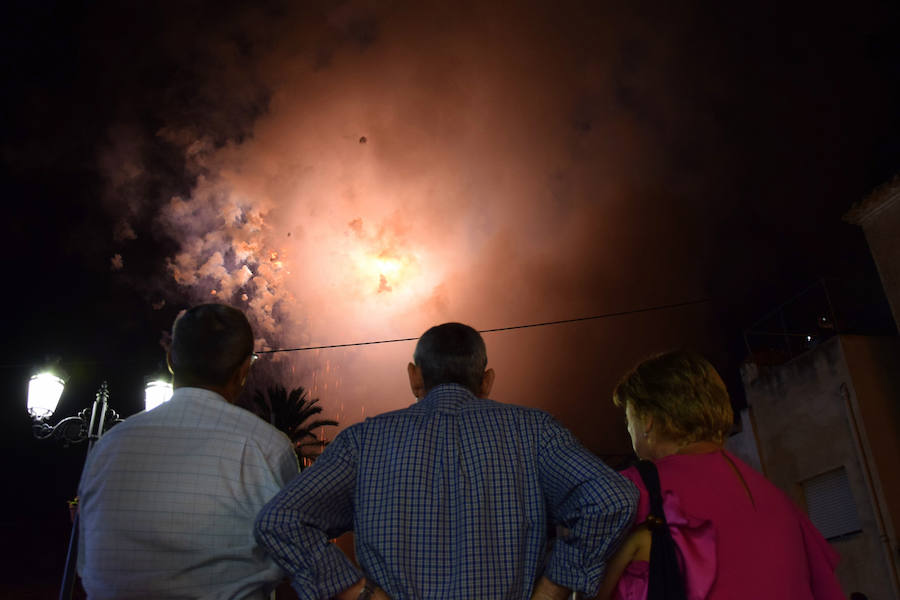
x=830, y=504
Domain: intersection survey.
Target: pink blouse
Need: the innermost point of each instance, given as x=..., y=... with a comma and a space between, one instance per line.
x=736, y=543
x=633, y=582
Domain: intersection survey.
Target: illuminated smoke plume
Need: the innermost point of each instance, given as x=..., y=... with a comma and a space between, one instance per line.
x=422, y=165
x=225, y=251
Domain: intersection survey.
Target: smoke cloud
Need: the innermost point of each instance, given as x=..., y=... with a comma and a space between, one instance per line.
x=419, y=164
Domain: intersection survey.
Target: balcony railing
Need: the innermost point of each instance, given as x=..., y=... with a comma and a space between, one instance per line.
x=822, y=310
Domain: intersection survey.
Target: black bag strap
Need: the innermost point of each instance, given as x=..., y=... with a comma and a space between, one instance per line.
x=665, y=580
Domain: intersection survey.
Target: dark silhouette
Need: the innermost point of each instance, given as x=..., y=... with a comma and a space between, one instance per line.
x=293, y=414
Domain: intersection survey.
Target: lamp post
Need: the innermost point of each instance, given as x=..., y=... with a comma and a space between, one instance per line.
x=89, y=424
x=44, y=392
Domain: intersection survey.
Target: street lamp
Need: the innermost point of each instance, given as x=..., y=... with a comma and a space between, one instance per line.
x=44, y=391
x=89, y=424
x=156, y=392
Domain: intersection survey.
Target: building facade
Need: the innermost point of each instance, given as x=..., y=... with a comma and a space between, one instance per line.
x=879, y=216
x=825, y=428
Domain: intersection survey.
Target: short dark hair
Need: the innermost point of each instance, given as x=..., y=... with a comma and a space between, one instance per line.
x=209, y=342
x=683, y=392
x=451, y=353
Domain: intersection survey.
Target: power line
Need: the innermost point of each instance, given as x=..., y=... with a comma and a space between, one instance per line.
x=610, y=315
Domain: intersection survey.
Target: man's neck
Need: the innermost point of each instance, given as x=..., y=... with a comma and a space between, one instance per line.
x=220, y=390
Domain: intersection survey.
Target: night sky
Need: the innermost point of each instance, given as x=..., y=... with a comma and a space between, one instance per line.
x=355, y=171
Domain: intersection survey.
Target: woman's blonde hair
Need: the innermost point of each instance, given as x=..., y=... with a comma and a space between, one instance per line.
x=683, y=393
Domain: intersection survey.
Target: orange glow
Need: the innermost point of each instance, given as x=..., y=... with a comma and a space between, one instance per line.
x=386, y=270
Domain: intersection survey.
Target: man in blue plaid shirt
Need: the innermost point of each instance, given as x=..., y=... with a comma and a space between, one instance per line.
x=451, y=498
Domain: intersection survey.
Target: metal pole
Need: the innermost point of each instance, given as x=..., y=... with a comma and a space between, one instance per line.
x=68, y=582
x=104, y=399
x=101, y=401
x=94, y=413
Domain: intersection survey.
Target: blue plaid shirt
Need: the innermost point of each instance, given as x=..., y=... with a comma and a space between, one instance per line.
x=450, y=498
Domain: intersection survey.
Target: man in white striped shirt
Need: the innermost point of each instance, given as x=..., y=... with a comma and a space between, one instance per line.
x=169, y=497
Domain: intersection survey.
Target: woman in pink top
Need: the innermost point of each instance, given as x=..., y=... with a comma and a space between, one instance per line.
x=738, y=536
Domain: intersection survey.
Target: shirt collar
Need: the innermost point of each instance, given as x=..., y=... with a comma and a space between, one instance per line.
x=195, y=393
x=447, y=394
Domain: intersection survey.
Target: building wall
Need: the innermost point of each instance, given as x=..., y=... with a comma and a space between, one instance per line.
x=803, y=429
x=743, y=444
x=879, y=217
x=874, y=365
x=883, y=236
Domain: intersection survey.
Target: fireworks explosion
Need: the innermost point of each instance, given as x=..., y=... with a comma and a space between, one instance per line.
x=413, y=172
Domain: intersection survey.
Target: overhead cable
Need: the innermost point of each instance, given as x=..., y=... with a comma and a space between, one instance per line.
x=610, y=315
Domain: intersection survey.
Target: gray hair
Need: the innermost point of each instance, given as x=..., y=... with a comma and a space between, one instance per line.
x=209, y=342
x=451, y=353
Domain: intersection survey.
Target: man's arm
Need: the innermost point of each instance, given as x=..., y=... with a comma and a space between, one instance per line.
x=593, y=504
x=296, y=526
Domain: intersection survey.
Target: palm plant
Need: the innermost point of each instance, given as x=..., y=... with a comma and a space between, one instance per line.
x=293, y=414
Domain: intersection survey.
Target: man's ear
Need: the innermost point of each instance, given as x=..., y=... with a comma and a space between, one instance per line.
x=416, y=381
x=487, y=383
x=244, y=370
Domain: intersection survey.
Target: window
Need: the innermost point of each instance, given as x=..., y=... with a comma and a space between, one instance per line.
x=829, y=502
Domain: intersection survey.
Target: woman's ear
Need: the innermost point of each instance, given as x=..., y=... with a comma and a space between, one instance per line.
x=647, y=424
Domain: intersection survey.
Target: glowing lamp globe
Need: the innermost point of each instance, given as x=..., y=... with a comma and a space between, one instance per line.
x=156, y=392
x=44, y=391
